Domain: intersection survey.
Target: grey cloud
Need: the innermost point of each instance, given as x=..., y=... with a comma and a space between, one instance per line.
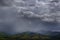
x=46, y=11
x=42, y=16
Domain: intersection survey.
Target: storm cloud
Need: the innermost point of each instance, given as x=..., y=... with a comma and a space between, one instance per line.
x=29, y=15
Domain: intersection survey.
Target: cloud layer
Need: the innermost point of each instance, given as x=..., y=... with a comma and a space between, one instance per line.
x=44, y=10
x=29, y=15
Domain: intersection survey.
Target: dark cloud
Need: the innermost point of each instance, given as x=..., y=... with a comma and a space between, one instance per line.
x=40, y=17
x=6, y=2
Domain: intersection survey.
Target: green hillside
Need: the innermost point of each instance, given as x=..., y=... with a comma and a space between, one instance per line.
x=28, y=36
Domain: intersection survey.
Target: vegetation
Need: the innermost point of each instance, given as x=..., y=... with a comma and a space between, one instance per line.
x=28, y=36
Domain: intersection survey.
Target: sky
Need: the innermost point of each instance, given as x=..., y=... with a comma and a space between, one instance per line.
x=18, y=16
